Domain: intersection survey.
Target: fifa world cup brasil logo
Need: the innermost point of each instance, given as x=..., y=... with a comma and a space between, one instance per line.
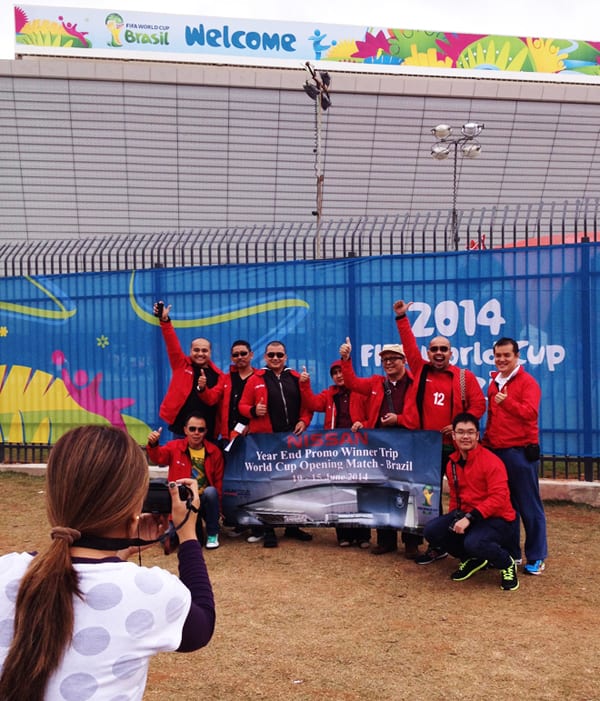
x=114, y=24
x=428, y=494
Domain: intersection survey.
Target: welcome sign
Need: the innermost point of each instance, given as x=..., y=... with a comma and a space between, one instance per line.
x=127, y=34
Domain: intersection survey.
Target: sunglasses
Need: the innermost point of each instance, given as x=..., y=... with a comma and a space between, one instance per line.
x=198, y=429
x=272, y=354
x=392, y=359
x=239, y=354
x=439, y=349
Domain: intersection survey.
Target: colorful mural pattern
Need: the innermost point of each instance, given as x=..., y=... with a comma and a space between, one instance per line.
x=391, y=48
x=83, y=348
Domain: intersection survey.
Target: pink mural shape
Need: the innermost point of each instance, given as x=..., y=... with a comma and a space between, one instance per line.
x=86, y=393
x=71, y=29
x=372, y=45
x=454, y=44
x=20, y=19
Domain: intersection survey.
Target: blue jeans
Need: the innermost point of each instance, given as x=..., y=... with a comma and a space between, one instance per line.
x=524, y=488
x=487, y=539
x=209, y=510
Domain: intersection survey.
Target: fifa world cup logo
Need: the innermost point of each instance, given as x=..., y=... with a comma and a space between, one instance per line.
x=428, y=494
x=114, y=24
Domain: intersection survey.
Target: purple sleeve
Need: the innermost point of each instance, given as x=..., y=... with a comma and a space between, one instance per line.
x=200, y=622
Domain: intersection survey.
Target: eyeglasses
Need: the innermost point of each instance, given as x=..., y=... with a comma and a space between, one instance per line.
x=239, y=354
x=272, y=354
x=392, y=358
x=198, y=429
x=439, y=349
x=471, y=432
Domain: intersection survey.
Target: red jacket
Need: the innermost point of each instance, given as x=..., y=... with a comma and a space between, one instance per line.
x=325, y=401
x=514, y=422
x=221, y=394
x=182, y=379
x=373, y=389
x=256, y=391
x=482, y=484
x=175, y=454
x=474, y=397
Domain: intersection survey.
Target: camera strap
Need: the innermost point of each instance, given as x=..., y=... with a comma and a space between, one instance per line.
x=455, y=480
x=99, y=543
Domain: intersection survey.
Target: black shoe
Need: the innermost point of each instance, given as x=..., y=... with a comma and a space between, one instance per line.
x=411, y=552
x=383, y=549
x=270, y=540
x=431, y=555
x=297, y=533
x=508, y=577
x=467, y=568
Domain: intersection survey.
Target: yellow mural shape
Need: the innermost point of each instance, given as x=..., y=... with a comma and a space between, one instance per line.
x=36, y=407
x=149, y=318
x=60, y=315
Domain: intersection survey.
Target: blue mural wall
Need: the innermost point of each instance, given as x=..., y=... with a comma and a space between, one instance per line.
x=85, y=348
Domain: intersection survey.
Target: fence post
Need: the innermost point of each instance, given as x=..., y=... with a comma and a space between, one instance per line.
x=586, y=358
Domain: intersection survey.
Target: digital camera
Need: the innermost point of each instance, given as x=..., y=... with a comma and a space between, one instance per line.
x=158, y=498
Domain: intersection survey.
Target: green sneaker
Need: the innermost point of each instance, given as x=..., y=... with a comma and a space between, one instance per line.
x=212, y=541
x=467, y=568
x=508, y=577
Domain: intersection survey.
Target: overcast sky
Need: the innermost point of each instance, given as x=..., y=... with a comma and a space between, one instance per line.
x=578, y=19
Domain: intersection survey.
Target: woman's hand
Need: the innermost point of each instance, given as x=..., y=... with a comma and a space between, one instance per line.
x=179, y=509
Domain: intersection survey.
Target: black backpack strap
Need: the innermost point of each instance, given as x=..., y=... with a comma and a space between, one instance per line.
x=421, y=392
x=388, y=396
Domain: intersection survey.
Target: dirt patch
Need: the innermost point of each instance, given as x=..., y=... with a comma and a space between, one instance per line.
x=312, y=621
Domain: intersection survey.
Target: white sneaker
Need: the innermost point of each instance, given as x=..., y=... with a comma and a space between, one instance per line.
x=212, y=541
x=254, y=538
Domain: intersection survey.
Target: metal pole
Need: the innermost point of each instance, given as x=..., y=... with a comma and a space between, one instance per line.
x=454, y=198
x=319, y=174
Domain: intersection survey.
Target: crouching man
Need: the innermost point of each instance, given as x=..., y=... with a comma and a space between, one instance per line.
x=478, y=528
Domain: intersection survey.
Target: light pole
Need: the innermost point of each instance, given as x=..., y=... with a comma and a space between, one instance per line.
x=317, y=88
x=446, y=144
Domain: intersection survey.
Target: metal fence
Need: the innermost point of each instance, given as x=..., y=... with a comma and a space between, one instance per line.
x=569, y=222
x=425, y=232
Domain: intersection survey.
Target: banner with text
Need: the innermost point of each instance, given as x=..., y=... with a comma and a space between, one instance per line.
x=375, y=478
x=126, y=34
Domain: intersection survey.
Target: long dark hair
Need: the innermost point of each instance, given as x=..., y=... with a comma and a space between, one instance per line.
x=96, y=479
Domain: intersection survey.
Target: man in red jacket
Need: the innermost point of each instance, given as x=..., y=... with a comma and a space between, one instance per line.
x=343, y=409
x=440, y=392
x=226, y=394
x=272, y=402
x=193, y=456
x=192, y=374
x=271, y=398
x=387, y=397
x=478, y=527
x=512, y=433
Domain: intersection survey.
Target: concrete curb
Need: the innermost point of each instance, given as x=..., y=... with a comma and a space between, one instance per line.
x=39, y=469
x=551, y=490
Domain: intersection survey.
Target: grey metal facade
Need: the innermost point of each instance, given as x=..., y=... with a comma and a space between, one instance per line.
x=94, y=149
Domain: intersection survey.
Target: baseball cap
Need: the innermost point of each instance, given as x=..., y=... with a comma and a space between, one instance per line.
x=396, y=348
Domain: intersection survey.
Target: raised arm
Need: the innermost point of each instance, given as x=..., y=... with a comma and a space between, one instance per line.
x=407, y=337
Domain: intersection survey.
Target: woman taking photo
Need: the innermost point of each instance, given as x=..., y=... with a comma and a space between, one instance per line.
x=85, y=622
